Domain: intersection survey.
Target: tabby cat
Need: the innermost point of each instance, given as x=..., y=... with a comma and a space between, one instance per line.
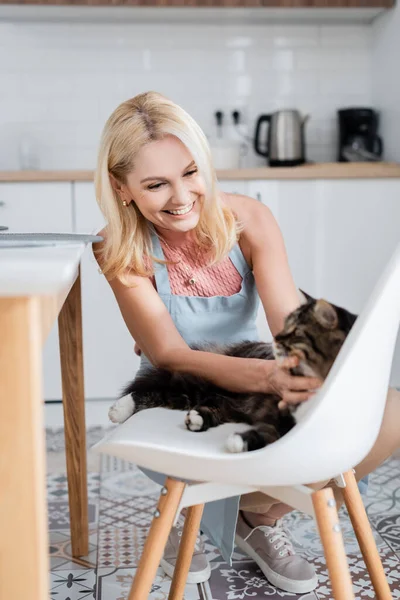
x=314, y=332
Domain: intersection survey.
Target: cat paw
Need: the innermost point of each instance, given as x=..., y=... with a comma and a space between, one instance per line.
x=122, y=409
x=235, y=443
x=194, y=421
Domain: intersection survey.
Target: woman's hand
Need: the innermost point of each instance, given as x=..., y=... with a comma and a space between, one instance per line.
x=291, y=388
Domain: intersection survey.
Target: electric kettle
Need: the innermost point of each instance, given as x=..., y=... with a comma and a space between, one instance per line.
x=284, y=143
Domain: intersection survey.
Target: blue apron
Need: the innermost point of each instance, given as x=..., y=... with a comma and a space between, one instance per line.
x=220, y=319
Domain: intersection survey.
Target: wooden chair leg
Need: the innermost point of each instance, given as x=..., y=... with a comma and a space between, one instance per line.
x=329, y=529
x=365, y=537
x=186, y=549
x=70, y=335
x=155, y=543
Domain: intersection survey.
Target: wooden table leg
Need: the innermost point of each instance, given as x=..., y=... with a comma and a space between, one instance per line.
x=71, y=355
x=24, y=565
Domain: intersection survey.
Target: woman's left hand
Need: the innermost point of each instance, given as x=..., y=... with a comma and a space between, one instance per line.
x=289, y=396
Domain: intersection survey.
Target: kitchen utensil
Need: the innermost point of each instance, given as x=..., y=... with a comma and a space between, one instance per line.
x=358, y=138
x=284, y=145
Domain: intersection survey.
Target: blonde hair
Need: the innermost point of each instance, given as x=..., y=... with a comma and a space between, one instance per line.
x=127, y=246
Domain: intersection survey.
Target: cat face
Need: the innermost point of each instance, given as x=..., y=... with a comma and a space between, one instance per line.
x=314, y=333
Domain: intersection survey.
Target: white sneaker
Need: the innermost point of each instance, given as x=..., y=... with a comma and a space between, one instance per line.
x=272, y=550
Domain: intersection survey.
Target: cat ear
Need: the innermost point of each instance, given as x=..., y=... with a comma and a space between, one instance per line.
x=307, y=297
x=325, y=314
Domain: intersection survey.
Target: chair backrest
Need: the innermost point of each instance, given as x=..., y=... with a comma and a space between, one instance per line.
x=336, y=430
x=343, y=420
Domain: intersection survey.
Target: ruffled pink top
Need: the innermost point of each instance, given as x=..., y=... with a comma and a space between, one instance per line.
x=188, y=263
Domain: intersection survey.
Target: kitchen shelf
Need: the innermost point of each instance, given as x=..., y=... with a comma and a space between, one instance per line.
x=378, y=170
x=223, y=12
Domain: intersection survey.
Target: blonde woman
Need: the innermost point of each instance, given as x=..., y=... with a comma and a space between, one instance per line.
x=188, y=263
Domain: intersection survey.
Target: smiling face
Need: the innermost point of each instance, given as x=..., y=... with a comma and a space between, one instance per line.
x=166, y=187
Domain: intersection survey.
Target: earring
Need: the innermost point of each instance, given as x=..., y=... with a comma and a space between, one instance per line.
x=124, y=203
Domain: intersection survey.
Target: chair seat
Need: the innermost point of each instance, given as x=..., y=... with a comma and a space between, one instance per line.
x=163, y=431
x=157, y=439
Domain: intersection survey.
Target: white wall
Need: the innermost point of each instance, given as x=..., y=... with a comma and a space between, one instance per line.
x=385, y=72
x=59, y=82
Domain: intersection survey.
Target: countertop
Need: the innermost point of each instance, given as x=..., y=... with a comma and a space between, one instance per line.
x=380, y=170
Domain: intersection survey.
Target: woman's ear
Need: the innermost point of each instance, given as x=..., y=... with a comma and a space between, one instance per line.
x=120, y=190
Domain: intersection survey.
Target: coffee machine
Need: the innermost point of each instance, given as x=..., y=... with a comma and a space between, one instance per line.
x=358, y=137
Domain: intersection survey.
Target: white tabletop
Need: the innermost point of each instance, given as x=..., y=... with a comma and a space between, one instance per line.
x=39, y=270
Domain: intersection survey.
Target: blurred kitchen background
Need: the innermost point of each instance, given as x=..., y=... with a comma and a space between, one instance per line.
x=63, y=71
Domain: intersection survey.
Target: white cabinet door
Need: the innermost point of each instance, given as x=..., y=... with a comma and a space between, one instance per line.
x=293, y=204
x=359, y=231
x=36, y=207
x=265, y=191
x=297, y=218
x=233, y=186
x=109, y=359
x=40, y=207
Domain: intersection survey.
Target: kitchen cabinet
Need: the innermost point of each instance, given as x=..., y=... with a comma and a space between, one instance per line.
x=233, y=186
x=40, y=207
x=36, y=207
x=109, y=358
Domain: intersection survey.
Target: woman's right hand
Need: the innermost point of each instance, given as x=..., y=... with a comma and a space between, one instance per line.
x=292, y=389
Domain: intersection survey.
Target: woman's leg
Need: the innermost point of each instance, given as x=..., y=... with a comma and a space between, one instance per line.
x=260, y=509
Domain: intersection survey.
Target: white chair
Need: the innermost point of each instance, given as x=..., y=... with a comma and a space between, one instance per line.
x=337, y=430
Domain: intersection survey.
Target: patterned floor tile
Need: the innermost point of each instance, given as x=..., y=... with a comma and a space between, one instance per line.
x=57, y=486
x=361, y=582
x=111, y=465
x=58, y=514
x=137, y=511
x=114, y=584
x=244, y=580
x=61, y=555
x=383, y=495
x=388, y=527
x=73, y=585
x=307, y=542
x=55, y=441
x=129, y=481
x=120, y=546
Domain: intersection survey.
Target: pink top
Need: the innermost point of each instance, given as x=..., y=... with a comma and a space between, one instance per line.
x=221, y=279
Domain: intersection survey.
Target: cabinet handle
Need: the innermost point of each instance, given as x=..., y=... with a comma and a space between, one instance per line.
x=2, y=203
x=258, y=196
